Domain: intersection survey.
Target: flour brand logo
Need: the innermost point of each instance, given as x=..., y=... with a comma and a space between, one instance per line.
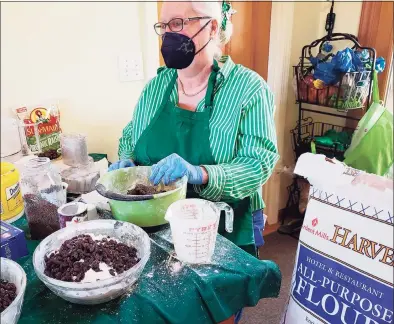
x=314, y=230
x=344, y=237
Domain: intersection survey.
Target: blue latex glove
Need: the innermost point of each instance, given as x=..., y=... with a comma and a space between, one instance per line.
x=121, y=164
x=173, y=167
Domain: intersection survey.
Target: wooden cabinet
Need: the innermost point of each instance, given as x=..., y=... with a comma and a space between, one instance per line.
x=249, y=45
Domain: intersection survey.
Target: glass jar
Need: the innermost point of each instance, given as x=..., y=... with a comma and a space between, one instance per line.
x=43, y=194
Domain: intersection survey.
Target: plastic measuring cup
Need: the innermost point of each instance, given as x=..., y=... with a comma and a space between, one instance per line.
x=194, y=227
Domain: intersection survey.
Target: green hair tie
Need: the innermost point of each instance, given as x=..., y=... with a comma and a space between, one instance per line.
x=227, y=12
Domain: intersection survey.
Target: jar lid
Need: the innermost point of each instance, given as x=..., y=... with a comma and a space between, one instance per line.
x=38, y=164
x=6, y=167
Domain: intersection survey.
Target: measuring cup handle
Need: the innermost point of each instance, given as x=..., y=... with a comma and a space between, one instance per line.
x=229, y=216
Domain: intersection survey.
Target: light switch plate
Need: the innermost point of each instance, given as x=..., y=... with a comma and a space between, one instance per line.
x=130, y=66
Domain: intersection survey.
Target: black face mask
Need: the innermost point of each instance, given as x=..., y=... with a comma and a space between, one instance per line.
x=179, y=50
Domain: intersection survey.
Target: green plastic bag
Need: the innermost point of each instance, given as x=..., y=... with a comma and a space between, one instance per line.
x=332, y=138
x=371, y=149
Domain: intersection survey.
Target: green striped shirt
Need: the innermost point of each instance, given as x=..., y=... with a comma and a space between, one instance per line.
x=242, y=132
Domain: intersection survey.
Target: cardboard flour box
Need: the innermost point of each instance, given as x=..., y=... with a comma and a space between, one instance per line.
x=13, y=242
x=345, y=259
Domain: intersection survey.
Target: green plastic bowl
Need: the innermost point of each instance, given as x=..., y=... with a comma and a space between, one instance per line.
x=143, y=211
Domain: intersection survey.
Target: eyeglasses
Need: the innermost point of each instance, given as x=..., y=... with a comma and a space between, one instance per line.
x=175, y=25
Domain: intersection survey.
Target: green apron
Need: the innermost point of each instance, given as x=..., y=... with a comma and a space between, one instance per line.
x=186, y=133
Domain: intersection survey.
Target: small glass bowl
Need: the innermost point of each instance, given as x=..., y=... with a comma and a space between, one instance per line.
x=13, y=273
x=103, y=290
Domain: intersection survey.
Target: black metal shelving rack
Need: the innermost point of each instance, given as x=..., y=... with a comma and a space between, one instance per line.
x=306, y=129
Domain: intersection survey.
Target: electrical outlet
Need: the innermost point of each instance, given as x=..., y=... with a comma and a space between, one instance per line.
x=130, y=67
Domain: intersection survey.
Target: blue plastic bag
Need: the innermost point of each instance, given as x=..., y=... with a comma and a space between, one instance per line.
x=314, y=60
x=358, y=64
x=363, y=55
x=327, y=47
x=325, y=72
x=380, y=64
x=343, y=60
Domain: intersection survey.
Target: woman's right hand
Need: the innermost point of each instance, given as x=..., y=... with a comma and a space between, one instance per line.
x=121, y=164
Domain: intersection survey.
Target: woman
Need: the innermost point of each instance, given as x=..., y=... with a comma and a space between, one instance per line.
x=210, y=120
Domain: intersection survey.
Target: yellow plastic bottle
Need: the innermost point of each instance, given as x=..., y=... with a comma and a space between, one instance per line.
x=11, y=197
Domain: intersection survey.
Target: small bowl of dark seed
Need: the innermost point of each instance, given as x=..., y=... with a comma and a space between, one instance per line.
x=12, y=290
x=92, y=262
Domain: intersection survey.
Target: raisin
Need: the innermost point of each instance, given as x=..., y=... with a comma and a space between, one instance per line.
x=7, y=294
x=64, y=264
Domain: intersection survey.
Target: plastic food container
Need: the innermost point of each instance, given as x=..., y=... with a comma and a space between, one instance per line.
x=146, y=210
x=11, y=196
x=74, y=149
x=11, y=148
x=81, y=179
x=13, y=273
x=100, y=291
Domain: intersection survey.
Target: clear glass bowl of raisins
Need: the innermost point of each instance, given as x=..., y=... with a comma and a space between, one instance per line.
x=100, y=291
x=13, y=286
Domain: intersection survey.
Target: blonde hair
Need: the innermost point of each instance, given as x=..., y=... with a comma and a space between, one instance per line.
x=214, y=10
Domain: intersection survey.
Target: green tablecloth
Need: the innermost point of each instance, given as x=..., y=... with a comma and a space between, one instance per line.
x=193, y=295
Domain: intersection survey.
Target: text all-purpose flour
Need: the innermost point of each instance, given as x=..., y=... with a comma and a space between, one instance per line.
x=345, y=258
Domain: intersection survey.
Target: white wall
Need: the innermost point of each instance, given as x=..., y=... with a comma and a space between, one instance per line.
x=282, y=15
x=69, y=51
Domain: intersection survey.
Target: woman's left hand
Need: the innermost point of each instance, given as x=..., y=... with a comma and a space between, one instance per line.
x=174, y=167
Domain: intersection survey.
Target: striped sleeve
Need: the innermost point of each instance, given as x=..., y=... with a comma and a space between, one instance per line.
x=126, y=146
x=256, y=155
x=127, y=140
